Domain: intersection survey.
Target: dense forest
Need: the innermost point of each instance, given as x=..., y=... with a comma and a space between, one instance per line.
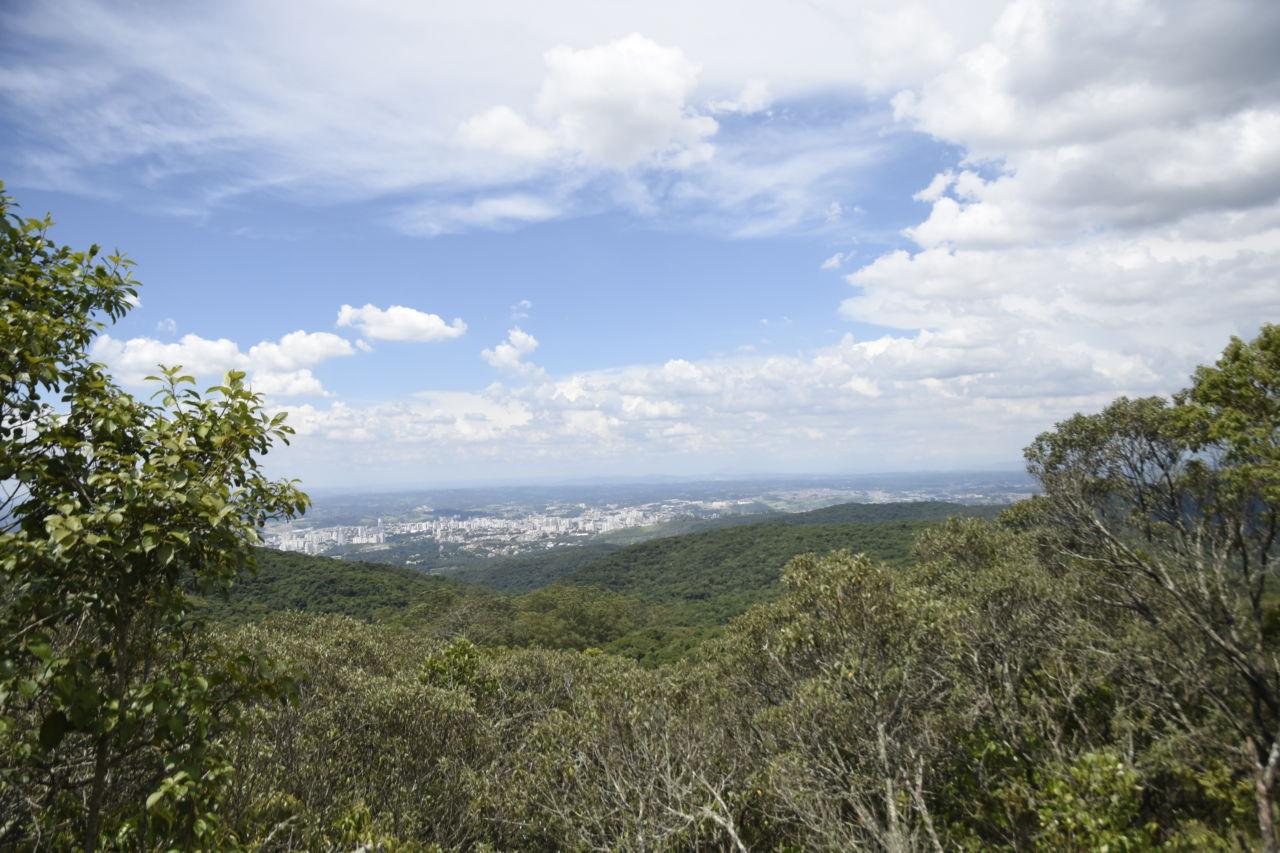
x=652, y=601
x=1093, y=669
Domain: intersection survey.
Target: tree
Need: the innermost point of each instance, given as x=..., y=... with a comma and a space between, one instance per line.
x=1172, y=505
x=115, y=512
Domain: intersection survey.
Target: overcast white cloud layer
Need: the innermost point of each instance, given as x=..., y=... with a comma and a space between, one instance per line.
x=1111, y=215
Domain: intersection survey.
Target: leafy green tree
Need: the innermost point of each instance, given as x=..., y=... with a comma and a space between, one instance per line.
x=112, y=702
x=1174, y=507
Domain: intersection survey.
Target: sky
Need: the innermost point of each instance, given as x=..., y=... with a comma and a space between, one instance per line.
x=502, y=241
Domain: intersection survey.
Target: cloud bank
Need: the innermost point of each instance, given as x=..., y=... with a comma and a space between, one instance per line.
x=1106, y=214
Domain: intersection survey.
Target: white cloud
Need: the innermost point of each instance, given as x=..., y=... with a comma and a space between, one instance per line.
x=278, y=368
x=1099, y=116
x=493, y=212
x=509, y=355
x=167, y=326
x=294, y=383
x=614, y=106
x=940, y=184
x=440, y=108
x=767, y=179
x=133, y=360
x=1117, y=215
x=833, y=262
x=398, y=323
x=753, y=98
x=502, y=130
x=855, y=403
x=298, y=349
x=624, y=103
x=432, y=421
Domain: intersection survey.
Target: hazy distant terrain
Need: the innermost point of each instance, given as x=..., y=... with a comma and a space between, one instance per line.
x=458, y=529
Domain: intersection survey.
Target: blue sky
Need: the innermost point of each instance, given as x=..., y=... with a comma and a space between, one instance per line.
x=597, y=240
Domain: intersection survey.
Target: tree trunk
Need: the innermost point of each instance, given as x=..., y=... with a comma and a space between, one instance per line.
x=1263, y=779
x=1266, y=816
x=102, y=756
x=96, y=792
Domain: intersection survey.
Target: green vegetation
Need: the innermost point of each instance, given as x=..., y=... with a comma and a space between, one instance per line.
x=114, y=512
x=366, y=591
x=1096, y=669
x=534, y=571
x=728, y=556
x=717, y=574
x=663, y=597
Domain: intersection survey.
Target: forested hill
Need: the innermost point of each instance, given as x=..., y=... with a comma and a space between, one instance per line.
x=860, y=513
x=717, y=574
x=734, y=563
x=653, y=600
x=367, y=591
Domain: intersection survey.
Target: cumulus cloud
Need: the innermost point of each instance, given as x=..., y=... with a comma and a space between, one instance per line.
x=509, y=355
x=278, y=368
x=432, y=419
x=854, y=403
x=134, y=359
x=1112, y=222
x=1185, y=121
x=294, y=383
x=615, y=105
x=298, y=349
x=503, y=130
x=398, y=323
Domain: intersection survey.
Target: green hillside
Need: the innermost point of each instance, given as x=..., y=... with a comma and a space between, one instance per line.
x=861, y=513
x=553, y=617
x=528, y=572
x=716, y=574
x=653, y=601
x=367, y=591
x=728, y=561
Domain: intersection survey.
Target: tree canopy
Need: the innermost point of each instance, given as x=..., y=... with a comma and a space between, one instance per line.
x=115, y=512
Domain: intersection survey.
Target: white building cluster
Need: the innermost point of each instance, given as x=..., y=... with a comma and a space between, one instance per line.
x=317, y=540
x=497, y=533
x=532, y=527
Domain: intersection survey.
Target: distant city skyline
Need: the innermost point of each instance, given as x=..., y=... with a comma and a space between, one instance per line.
x=458, y=244
x=468, y=524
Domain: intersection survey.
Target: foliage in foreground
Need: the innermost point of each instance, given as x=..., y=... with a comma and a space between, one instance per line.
x=114, y=705
x=1096, y=670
